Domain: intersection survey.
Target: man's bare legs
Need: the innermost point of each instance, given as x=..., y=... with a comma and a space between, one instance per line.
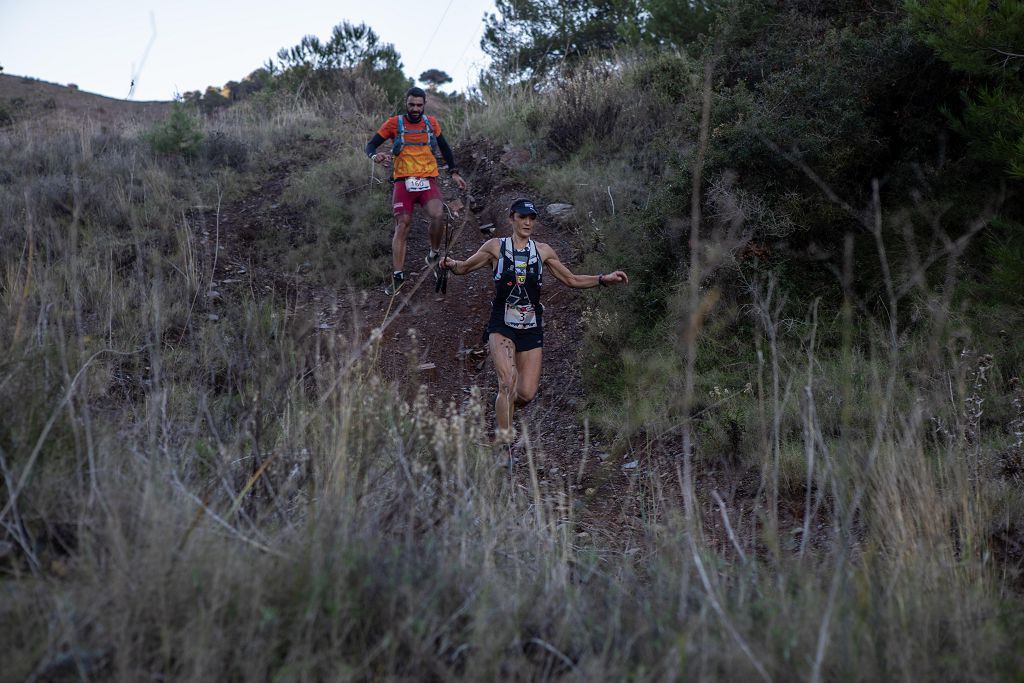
x=402, y=223
x=435, y=209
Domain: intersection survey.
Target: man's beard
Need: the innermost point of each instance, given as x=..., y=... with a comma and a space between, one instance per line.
x=414, y=118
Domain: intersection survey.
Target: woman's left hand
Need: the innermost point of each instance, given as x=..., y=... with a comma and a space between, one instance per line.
x=615, y=278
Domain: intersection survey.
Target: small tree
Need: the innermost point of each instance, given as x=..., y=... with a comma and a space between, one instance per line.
x=532, y=39
x=355, y=50
x=677, y=23
x=178, y=135
x=984, y=40
x=434, y=78
x=213, y=98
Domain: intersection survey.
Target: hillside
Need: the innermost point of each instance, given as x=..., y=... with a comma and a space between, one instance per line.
x=23, y=98
x=790, y=448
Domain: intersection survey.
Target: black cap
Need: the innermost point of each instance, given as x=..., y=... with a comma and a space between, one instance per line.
x=524, y=207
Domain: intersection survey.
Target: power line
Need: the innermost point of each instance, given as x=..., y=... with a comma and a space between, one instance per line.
x=470, y=67
x=432, y=36
x=468, y=43
x=136, y=73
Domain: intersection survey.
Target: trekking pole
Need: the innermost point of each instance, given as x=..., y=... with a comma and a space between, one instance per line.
x=442, y=281
x=450, y=240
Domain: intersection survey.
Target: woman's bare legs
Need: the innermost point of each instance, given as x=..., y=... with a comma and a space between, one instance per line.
x=503, y=351
x=528, y=375
x=518, y=378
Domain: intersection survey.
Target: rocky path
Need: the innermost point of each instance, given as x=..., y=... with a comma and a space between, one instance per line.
x=437, y=341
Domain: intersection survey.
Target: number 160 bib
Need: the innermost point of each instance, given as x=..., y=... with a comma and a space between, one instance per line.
x=417, y=184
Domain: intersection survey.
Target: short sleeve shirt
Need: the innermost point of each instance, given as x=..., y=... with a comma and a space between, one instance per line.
x=413, y=160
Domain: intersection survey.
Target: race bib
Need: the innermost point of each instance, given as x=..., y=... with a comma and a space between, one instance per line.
x=417, y=184
x=521, y=317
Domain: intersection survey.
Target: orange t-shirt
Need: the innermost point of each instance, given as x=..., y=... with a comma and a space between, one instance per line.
x=413, y=160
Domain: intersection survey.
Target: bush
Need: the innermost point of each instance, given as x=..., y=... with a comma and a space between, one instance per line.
x=595, y=106
x=347, y=233
x=179, y=134
x=225, y=150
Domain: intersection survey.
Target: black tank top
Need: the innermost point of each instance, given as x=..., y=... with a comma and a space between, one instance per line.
x=517, y=280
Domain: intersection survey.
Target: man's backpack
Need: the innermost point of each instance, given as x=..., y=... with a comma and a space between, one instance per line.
x=400, y=140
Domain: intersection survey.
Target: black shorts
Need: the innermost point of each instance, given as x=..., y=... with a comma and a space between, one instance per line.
x=524, y=340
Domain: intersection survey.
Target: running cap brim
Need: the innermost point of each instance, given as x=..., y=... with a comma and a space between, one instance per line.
x=524, y=207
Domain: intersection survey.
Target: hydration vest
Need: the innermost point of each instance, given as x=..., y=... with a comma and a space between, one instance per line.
x=517, y=287
x=506, y=275
x=507, y=252
x=400, y=140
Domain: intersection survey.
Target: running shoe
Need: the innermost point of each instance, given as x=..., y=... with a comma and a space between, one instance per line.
x=433, y=260
x=505, y=437
x=504, y=459
x=397, y=280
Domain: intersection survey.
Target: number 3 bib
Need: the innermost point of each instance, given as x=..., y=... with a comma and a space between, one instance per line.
x=521, y=317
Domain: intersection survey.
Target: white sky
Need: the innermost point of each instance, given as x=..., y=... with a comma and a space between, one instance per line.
x=99, y=45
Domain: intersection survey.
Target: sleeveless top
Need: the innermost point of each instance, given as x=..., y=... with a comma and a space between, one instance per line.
x=517, y=281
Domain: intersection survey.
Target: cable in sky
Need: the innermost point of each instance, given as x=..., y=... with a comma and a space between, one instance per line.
x=138, y=72
x=432, y=36
x=468, y=43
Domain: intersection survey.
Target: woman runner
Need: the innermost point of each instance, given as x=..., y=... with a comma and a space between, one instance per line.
x=515, y=330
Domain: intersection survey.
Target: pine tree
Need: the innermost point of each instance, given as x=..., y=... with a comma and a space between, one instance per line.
x=983, y=39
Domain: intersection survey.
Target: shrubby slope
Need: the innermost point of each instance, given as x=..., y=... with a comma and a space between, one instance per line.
x=815, y=375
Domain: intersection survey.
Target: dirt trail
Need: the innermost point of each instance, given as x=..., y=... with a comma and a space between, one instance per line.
x=436, y=340
x=447, y=355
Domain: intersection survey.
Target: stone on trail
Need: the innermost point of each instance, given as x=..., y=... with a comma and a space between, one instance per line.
x=559, y=210
x=516, y=157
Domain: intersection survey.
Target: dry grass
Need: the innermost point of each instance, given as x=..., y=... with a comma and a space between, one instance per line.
x=187, y=499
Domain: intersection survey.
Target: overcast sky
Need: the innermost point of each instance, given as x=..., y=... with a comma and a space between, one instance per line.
x=100, y=45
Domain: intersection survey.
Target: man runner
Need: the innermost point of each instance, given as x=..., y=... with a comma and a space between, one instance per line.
x=417, y=138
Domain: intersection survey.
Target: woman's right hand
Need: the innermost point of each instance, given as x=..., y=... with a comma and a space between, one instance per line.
x=449, y=264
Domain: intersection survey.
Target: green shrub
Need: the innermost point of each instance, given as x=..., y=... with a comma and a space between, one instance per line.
x=347, y=225
x=179, y=134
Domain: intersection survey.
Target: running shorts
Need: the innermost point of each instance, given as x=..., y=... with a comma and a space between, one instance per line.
x=403, y=201
x=524, y=340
